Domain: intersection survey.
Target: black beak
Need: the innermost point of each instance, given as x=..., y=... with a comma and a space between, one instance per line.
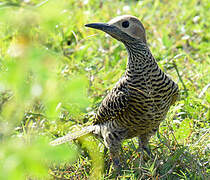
x=102, y=26
x=114, y=31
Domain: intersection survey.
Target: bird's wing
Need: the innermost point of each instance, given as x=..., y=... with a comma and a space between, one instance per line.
x=114, y=103
x=175, y=97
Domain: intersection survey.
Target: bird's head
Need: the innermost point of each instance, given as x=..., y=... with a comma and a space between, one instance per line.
x=124, y=28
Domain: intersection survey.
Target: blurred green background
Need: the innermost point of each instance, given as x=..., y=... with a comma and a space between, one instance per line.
x=54, y=72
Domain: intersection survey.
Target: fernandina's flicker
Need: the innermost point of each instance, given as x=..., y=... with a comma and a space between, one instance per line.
x=139, y=101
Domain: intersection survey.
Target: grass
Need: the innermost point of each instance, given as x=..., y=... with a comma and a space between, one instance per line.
x=55, y=72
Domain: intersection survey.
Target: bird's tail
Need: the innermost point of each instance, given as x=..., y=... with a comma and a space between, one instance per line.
x=74, y=135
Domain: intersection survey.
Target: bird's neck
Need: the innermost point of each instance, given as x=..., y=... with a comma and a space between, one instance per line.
x=140, y=58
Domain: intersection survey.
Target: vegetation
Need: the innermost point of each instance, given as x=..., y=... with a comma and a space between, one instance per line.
x=55, y=72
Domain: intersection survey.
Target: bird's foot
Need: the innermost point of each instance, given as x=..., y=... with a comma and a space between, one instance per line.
x=141, y=153
x=117, y=164
x=141, y=150
x=147, y=149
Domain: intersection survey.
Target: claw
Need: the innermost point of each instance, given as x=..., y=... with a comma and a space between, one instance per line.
x=147, y=149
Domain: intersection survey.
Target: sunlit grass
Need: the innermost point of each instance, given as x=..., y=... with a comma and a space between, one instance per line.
x=55, y=72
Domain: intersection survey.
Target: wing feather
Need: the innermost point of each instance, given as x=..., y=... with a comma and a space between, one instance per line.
x=114, y=103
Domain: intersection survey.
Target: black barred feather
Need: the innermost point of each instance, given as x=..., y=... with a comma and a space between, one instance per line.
x=139, y=101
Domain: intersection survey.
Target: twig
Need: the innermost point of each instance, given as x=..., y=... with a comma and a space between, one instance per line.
x=180, y=78
x=42, y=3
x=204, y=90
x=169, y=172
x=201, y=137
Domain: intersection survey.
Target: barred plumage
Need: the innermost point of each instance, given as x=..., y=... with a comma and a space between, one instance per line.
x=140, y=100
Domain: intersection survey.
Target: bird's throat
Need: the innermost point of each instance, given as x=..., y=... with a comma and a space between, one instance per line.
x=140, y=59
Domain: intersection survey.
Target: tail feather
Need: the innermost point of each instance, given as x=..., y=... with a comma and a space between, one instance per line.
x=73, y=135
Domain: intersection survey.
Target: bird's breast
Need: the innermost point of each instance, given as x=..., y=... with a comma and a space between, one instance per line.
x=148, y=103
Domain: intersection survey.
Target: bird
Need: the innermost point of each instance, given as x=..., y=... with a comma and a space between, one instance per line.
x=139, y=101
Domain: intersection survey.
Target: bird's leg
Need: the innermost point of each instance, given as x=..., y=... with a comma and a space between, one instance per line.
x=140, y=150
x=113, y=143
x=147, y=149
x=143, y=145
x=114, y=155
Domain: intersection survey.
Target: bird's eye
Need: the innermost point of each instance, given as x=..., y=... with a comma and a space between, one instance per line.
x=125, y=24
